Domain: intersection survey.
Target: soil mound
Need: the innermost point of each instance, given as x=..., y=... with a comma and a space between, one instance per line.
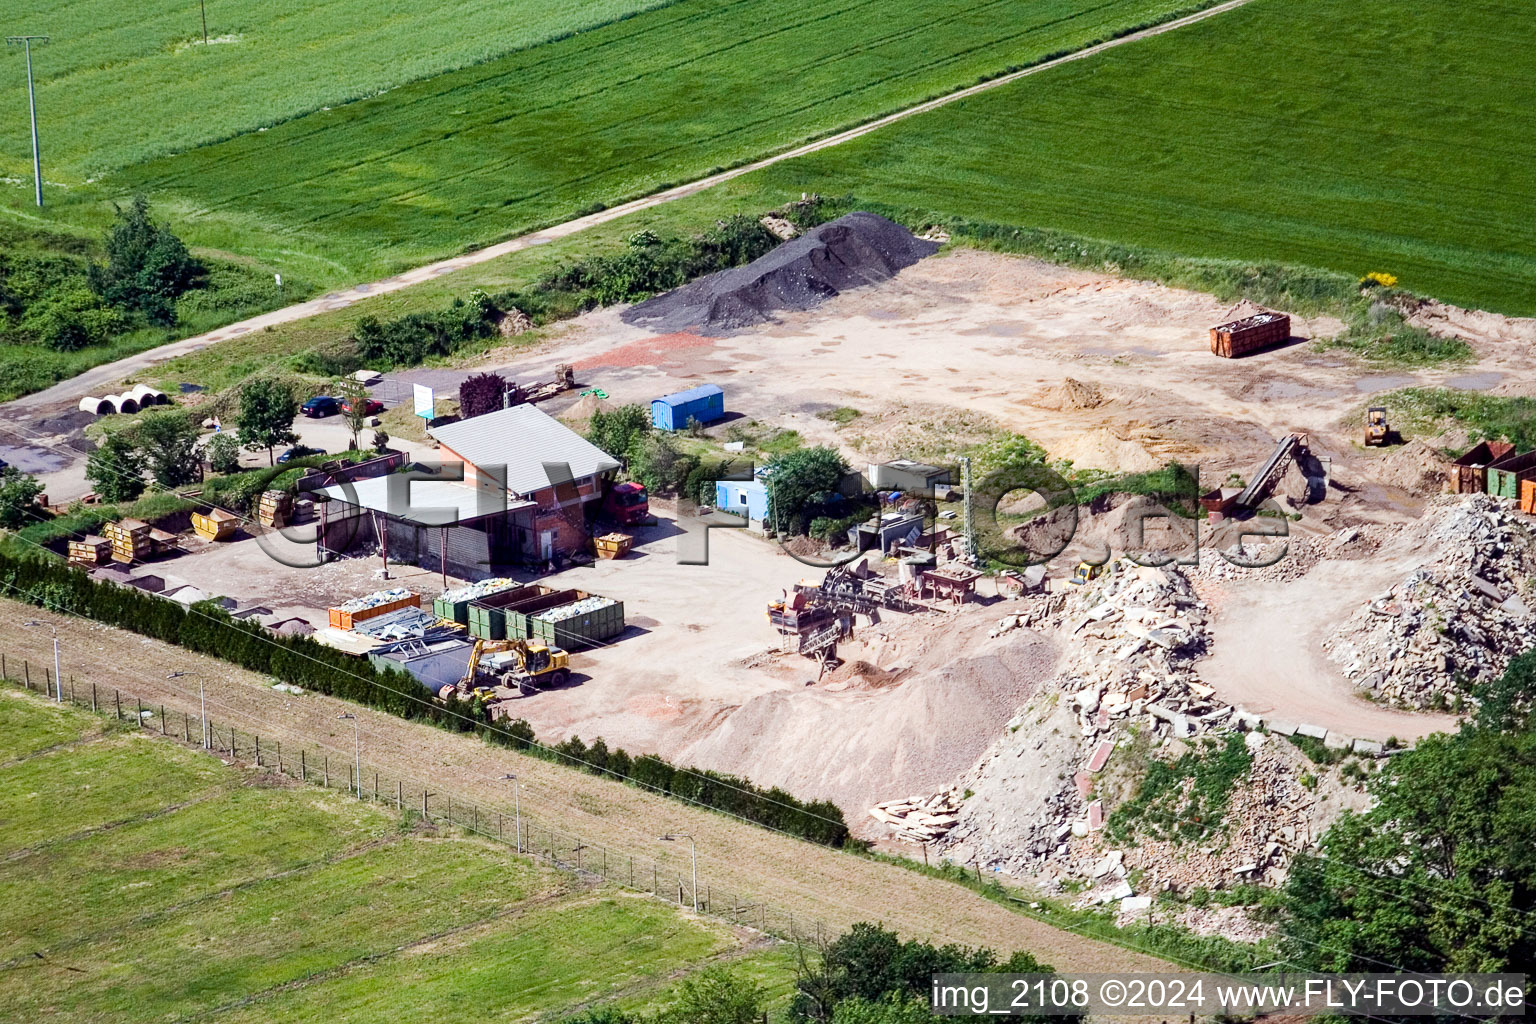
x=1071, y=394
x=1415, y=467
x=856, y=249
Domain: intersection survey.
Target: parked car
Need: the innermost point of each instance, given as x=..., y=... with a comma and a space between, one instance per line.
x=298, y=451
x=371, y=406
x=321, y=406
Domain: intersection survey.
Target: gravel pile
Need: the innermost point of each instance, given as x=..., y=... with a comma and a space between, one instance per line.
x=1453, y=622
x=856, y=249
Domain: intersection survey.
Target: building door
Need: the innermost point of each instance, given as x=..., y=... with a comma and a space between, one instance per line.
x=546, y=545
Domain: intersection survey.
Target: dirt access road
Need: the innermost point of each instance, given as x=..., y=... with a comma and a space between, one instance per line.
x=101, y=378
x=820, y=884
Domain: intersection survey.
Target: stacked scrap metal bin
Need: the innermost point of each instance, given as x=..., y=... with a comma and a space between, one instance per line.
x=381, y=602
x=453, y=605
x=1250, y=334
x=130, y=540
x=162, y=542
x=92, y=551
x=589, y=620
x=274, y=509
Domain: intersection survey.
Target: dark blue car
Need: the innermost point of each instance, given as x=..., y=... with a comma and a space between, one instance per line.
x=321, y=406
x=298, y=451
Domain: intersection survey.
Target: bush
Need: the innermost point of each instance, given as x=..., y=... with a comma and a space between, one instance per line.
x=407, y=340
x=618, y=432
x=147, y=266
x=116, y=469
x=481, y=393
x=18, y=493
x=223, y=453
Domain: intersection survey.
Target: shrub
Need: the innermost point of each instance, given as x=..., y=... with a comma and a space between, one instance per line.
x=223, y=453
x=481, y=393
x=18, y=493
x=116, y=469
x=147, y=266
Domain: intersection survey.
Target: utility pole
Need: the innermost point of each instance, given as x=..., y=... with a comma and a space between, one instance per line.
x=357, y=750
x=693, y=853
x=517, y=809
x=25, y=42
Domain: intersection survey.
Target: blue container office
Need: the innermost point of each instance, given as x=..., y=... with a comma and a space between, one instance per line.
x=705, y=403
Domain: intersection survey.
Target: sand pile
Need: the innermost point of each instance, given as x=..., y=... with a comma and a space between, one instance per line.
x=856, y=249
x=579, y=416
x=1105, y=448
x=869, y=732
x=1070, y=395
x=1415, y=467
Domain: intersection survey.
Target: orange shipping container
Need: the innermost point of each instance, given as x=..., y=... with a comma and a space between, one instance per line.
x=342, y=618
x=1528, y=496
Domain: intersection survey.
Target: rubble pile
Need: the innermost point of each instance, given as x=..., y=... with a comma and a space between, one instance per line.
x=1454, y=621
x=1134, y=637
x=920, y=820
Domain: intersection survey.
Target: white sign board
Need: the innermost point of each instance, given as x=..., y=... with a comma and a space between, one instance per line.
x=424, y=401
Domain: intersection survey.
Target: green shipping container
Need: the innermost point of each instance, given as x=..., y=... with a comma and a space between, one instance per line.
x=1504, y=476
x=583, y=623
x=518, y=616
x=458, y=611
x=488, y=616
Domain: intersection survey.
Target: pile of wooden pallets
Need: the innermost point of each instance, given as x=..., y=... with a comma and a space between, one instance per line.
x=92, y=551
x=130, y=540
x=918, y=820
x=274, y=509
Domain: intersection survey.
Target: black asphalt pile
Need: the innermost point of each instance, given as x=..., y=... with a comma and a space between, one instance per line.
x=856, y=249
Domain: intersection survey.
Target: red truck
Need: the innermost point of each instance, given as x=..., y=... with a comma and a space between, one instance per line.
x=627, y=504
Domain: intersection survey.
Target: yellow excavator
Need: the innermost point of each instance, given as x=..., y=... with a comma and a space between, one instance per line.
x=535, y=666
x=1086, y=571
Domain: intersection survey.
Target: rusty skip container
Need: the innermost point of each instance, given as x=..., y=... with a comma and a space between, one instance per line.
x=1506, y=475
x=1469, y=474
x=1250, y=334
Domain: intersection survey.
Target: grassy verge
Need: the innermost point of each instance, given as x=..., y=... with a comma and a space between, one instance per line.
x=151, y=882
x=1434, y=410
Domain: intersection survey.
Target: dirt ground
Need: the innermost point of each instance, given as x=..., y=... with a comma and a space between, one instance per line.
x=1109, y=373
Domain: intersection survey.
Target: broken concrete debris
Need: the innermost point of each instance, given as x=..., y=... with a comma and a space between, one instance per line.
x=917, y=819
x=1452, y=622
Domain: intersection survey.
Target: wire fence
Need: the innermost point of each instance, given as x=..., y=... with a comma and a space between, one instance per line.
x=521, y=831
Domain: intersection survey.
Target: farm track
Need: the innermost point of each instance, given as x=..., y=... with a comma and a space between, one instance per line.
x=98, y=378
x=811, y=882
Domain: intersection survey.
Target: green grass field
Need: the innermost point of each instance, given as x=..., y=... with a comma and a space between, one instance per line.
x=1352, y=135
x=470, y=156
x=142, y=880
x=121, y=81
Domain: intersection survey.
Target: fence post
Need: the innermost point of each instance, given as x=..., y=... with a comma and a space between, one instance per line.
x=3, y=674
x=71, y=688
x=186, y=725
x=375, y=787
x=498, y=825
x=162, y=717
x=279, y=756
x=475, y=818
x=141, y=711
x=631, y=871
x=655, y=879
x=117, y=704
x=399, y=806
x=424, y=815
x=605, y=862
x=26, y=672
x=303, y=768
x=47, y=681
x=325, y=778
x=257, y=741
x=93, y=697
